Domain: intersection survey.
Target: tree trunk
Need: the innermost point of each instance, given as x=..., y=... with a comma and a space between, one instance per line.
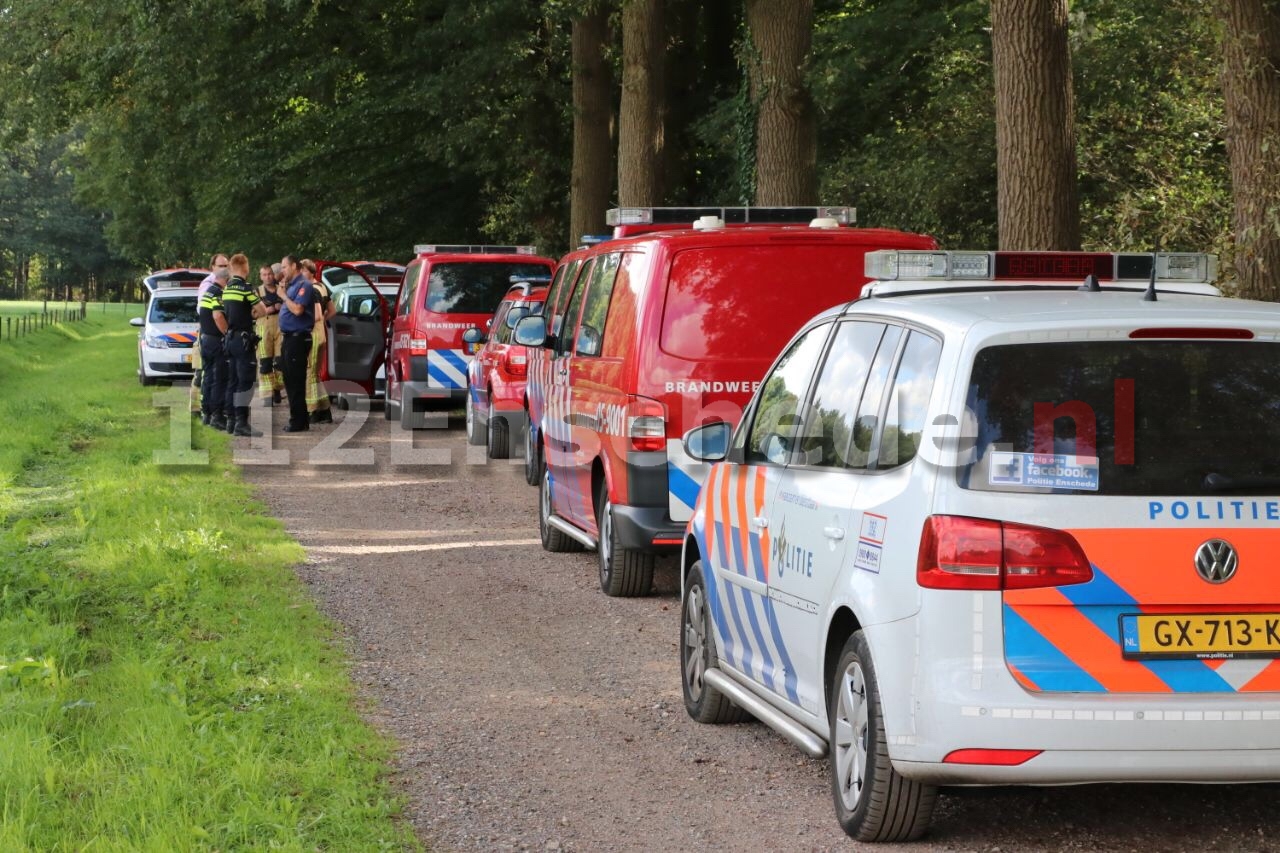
x=641, y=142
x=1037, y=200
x=1251, y=89
x=786, y=124
x=591, y=181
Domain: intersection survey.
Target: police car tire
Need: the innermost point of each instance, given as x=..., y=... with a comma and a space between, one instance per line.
x=498, y=437
x=709, y=705
x=532, y=457
x=475, y=433
x=890, y=807
x=553, y=540
x=145, y=379
x=624, y=572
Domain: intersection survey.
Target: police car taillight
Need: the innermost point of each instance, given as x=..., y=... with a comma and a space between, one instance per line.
x=957, y=552
x=646, y=424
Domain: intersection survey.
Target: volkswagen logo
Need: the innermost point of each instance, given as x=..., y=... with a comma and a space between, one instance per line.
x=1216, y=561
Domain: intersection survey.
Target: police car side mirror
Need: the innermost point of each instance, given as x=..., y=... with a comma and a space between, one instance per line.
x=137, y=321
x=709, y=442
x=473, y=336
x=530, y=332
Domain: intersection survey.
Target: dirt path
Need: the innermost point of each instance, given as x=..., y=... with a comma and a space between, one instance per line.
x=535, y=713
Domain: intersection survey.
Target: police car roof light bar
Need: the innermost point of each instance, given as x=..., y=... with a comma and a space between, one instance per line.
x=1169, y=267
x=616, y=216
x=459, y=249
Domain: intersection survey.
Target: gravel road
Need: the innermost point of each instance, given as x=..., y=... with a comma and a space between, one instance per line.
x=535, y=713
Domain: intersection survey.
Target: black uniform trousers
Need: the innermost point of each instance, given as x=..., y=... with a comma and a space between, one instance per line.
x=213, y=381
x=294, y=351
x=242, y=363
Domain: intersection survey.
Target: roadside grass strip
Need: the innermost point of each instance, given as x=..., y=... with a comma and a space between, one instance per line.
x=165, y=682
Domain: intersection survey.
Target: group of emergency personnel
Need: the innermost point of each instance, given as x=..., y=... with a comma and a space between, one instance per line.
x=279, y=326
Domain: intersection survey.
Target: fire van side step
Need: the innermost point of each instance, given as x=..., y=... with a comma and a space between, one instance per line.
x=808, y=742
x=588, y=541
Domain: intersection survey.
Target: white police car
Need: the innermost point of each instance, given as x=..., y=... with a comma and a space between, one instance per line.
x=1005, y=519
x=170, y=327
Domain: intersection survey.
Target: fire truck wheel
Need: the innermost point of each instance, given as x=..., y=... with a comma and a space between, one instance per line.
x=623, y=571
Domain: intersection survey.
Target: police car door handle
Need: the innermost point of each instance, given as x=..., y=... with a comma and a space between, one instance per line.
x=836, y=533
x=760, y=521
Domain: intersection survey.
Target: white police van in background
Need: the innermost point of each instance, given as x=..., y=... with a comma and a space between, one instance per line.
x=1008, y=518
x=170, y=327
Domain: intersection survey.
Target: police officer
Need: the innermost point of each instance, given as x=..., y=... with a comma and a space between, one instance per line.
x=295, y=327
x=269, y=334
x=213, y=329
x=241, y=306
x=218, y=261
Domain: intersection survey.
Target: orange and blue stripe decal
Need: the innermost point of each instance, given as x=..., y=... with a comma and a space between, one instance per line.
x=745, y=622
x=180, y=337
x=1067, y=639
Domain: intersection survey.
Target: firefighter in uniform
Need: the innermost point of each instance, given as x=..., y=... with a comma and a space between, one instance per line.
x=317, y=397
x=241, y=306
x=213, y=360
x=269, y=383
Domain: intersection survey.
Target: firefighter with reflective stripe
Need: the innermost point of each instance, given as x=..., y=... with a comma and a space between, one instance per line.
x=219, y=260
x=213, y=330
x=317, y=397
x=269, y=382
x=241, y=306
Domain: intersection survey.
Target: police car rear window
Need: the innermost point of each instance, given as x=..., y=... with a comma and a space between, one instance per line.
x=173, y=309
x=475, y=287
x=1125, y=418
x=731, y=302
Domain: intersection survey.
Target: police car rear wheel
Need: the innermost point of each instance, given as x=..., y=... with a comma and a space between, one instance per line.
x=623, y=571
x=698, y=654
x=475, y=435
x=873, y=802
x=552, y=539
x=532, y=458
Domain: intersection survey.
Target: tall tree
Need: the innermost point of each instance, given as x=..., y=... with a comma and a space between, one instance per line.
x=786, y=128
x=641, y=120
x=1251, y=86
x=591, y=181
x=1037, y=199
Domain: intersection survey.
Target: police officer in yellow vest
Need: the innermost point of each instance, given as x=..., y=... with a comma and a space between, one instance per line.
x=242, y=306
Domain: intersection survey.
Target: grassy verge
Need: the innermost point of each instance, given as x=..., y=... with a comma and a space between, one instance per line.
x=165, y=684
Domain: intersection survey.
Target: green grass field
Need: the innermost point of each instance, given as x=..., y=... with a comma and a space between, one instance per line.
x=165, y=682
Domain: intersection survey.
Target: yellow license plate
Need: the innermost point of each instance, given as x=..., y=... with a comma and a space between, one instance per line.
x=186, y=359
x=1200, y=635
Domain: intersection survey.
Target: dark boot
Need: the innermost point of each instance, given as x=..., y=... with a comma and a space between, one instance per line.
x=217, y=421
x=205, y=417
x=242, y=423
x=276, y=398
x=230, y=419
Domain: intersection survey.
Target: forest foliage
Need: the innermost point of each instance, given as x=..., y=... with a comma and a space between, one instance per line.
x=142, y=133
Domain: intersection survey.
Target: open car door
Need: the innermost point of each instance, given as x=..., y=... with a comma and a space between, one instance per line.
x=358, y=331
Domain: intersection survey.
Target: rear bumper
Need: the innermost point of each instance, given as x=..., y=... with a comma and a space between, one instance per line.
x=645, y=528
x=410, y=391
x=953, y=691
x=1066, y=767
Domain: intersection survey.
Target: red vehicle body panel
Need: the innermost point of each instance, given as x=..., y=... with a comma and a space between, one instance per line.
x=694, y=320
